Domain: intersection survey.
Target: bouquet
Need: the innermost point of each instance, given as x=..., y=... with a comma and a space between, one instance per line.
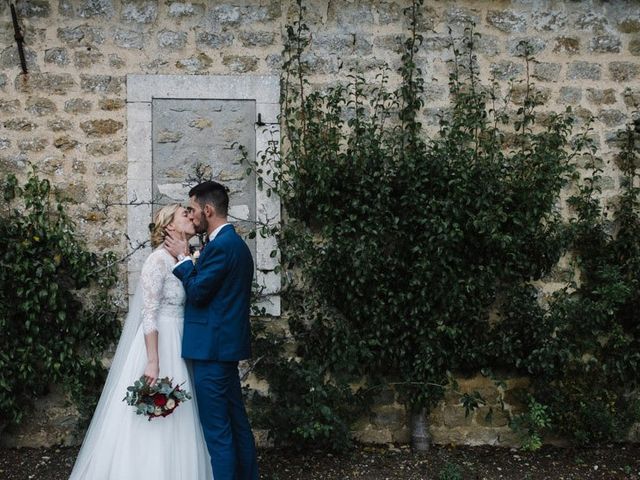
x=157, y=400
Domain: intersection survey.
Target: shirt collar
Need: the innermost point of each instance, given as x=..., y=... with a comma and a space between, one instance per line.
x=217, y=231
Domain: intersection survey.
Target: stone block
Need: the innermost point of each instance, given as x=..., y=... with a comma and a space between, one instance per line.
x=111, y=104
x=5, y=143
x=185, y=9
x=87, y=59
x=195, y=63
x=506, y=70
x=40, y=107
x=224, y=15
x=623, y=71
x=3, y=81
x=488, y=45
x=448, y=436
x=436, y=416
x=631, y=97
x=491, y=417
x=506, y=21
x=549, y=20
x=100, y=149
x=389, y=417
x=351, y=15
x=75, y=191
x=59, y=125
x=172, y=40
x=437, y=44
x=82, y=35
x=240, y=63
x=389, y=12
x=401, y=435
x=526, y=45
x=570, y=95
x=394, y=43
x=454, y=416
x=139, y=12
x=592, y=21
x=606, y=183
x=257, y=39
x=78, y=105
x=51, y=83
x=130, y=39
x=105, y=84
x=509, y=438
x=612, y=117
x=373, y=436
x=9, y=106
x=57, y=56
x=214, y=40
x=115, y=61
x=34, y=8
x=79, y=167
x=519, y=93
x=601, y=97
x=116, y=169
x=100, y=128
x=89, y=8
x=584, y=71
x=605, y=44
x=10, y=59
x=568, y=45
x=634, y=46
x=629, y=25
x=386, y=396
x=547, y=72
x=33, y=145
x=337, y=43
x=515, y=396
x=484, y=436
x=459, y=17
x=435, y=91
x=65, y=143
x=20, y=124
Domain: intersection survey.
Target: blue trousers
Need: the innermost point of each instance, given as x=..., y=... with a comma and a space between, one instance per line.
x=224, y=420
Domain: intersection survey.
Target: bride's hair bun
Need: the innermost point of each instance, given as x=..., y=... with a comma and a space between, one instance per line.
x=162, y=219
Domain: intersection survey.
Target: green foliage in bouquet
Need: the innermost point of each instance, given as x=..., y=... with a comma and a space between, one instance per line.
x=157, y=400
x=56, y=316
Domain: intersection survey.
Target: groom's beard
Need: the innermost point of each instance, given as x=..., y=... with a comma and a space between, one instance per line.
x=203, y=225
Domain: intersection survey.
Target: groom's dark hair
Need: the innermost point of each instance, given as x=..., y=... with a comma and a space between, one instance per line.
x=212, y=193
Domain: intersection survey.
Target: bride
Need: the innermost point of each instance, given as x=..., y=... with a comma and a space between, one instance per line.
x=120, y=445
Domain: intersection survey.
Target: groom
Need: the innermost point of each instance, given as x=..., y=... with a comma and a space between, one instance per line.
x=217, y=331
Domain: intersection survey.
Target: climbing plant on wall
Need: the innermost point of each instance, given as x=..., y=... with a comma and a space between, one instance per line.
x=402, y=246
x=56, y=316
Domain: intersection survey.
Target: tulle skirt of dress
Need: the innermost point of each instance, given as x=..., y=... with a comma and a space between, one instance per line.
x=129, y=447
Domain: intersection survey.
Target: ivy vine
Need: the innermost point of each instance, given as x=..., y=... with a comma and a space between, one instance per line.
x=56, y=314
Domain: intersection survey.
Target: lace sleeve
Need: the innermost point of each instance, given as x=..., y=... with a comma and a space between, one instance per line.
x=152, y=280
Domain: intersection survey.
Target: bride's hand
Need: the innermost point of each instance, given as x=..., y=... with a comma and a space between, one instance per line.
x=151, y=372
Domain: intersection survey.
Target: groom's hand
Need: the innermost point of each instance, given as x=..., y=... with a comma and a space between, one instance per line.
x=176, y=244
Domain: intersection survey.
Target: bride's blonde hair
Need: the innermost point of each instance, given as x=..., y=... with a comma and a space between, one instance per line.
x=163, y=218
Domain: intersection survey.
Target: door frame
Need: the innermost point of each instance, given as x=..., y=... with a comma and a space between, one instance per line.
x=141, y=90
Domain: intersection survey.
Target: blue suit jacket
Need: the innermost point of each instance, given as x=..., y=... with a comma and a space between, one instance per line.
x=218, y=289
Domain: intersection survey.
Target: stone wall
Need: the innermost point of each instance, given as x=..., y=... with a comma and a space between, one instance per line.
x=68, y=115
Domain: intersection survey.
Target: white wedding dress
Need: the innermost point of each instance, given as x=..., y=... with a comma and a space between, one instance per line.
x=121, y=445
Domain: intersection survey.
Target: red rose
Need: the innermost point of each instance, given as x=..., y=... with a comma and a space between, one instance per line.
x=159, y=400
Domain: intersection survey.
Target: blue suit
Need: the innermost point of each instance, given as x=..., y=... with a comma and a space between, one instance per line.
x=217, y=334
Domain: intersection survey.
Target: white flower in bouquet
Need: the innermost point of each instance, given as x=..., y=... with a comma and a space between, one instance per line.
x=195, y=256
x=171, y=403
x=157, y=411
